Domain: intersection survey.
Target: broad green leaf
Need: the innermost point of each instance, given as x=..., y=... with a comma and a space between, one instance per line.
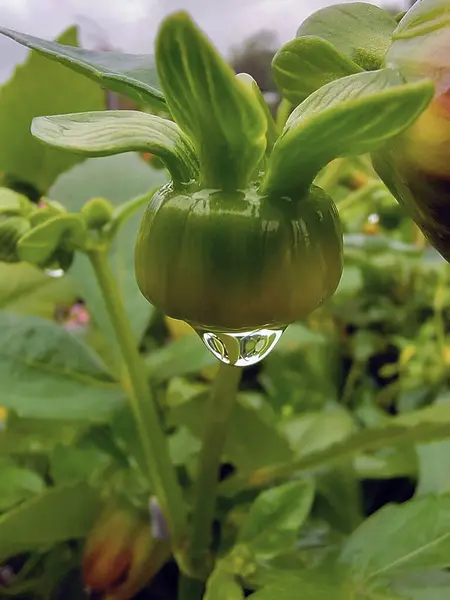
x=59, y=514
x=41, y=87
x=305, y=64
x=222, y=586
x=251, y=442
x=18, y=484
x=358, y=30
x=133, y=75
x=210, y=104
x=419, y=426
x=28, y=290
x=434, y=468
x=47, y=373
x=117, y=131
x=70, y=464
x=118, y=179
x=428, y=585
x=317, y=584
x=418, y=532
x=273, y=522
x=352, y=115
x=180, y=357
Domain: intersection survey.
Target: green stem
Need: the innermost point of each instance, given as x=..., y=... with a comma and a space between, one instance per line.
x=161, y=472
x=221, y=404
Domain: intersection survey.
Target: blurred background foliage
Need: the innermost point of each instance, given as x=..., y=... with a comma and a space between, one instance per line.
x=354, y=399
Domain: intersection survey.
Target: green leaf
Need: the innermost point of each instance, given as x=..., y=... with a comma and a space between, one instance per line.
x=424, y=425
x=81, y=463
x=317, y=584
x=132, y=75
x=41, y=87
x=117, y=131
x=423, y=18
x=358, y=30
x=181, y=357
x=28, y=290
x=352, y=115
x=118, y=179
x=274, y=519
x=251, y=441
x=18, y=484
x=222, y=586
x=419, y=538
x=210, y=104
x=60, y=514
x=49, y=374
x=305, y=64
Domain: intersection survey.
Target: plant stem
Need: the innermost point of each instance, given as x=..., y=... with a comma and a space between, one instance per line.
x=221, y=404
x=161, y=472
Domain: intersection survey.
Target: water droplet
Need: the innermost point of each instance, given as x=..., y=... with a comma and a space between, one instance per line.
x=242, y=349
x=54, y=272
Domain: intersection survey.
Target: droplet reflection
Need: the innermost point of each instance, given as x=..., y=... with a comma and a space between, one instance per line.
x=242, y=349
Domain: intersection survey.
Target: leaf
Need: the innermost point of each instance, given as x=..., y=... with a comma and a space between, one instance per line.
x=222, y=586
x=117, y=178
x=17, y=484
x=419, y=538
x=28, y=290
x=132, y=75
x=41, y=87
x=305, y=64
x=70, y=464
x=181, y=357
x=117, y=131
x=352, y=115
x=361, y=31
x=47, y=373
x=434, y=470
x=210, y=104
x=424, y=425
x=316, y=584
x=275, y=517
x=57, y=515
x=251, y=441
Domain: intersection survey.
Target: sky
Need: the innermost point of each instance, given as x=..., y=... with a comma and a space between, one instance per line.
x=130, y=25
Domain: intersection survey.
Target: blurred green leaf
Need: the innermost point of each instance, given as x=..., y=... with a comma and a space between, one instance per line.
x=180, y=357
x=117, y=178
x=361, y=31
x=59, y=514
x=41, y=87
x=222, y=586
x=352, y=115
x=69, y=464
x=305, y=64
x=418, y=534
x=273, y=522
x=434, y=468
x=49, y=374
x=132, y=75
x=210, y=104
x=28, y=290
x=251, y=442
x=339, y=497
x=317, y=584
x=18, y=484
x=104, y=133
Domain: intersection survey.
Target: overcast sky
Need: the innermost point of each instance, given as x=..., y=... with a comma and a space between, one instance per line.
x=131, y=24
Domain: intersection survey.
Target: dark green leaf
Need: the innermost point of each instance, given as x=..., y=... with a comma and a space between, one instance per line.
x=180, y=357
x=222, y=586
x=132, y=75
x=117, y=131
x=216, y=110
x=60, y=514
x=359, y=30
x=17, y=484
x=41, y=87
x=117, y=178
x=305, y=64
x=419, y=538
x=352, y=115
x=274, y=519
x=47, y=373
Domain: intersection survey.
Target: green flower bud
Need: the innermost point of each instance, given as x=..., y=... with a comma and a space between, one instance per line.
x=97, y=212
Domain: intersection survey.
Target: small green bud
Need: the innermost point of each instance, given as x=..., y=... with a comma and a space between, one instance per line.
x=97, y=212
x=12, y=203
x=11, y=230
x=47, y=209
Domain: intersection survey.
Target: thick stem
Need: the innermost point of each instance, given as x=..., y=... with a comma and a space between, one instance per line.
x=221, y=404
x=161, y=472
